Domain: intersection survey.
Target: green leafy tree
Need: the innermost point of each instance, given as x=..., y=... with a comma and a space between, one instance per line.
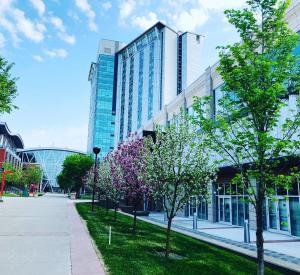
x=15, y=178
x=63, y=182
x=8, y=87
x=248, y=130
x=31, y=174
x=75, y=167
x=178, y=167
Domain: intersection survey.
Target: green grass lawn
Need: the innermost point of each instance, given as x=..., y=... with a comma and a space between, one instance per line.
x=142, y=253
x=10, y=195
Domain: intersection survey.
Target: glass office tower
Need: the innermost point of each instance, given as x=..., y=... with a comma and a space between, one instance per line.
x=152, y=70
x=101, y=76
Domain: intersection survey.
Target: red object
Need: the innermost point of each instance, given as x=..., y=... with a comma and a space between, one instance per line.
x=2, y=156
x=33, y=188
x=3, y=180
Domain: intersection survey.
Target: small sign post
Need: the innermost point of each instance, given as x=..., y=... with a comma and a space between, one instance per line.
x=109, y=236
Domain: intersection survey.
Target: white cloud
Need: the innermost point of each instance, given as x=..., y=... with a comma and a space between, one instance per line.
x=39, y=5
x=73, y=15
x=85, y=7
x=31, y=30
x=190, y=20
x=106, y=5
x=70, y=39
x=72, y=137
x=5, y=5
x=62, y=53
x=218, y=5
x=59, y=25
x=2, y=41
x=126, y=8
x=145, y=22
x=11, y=29
x=38, y=58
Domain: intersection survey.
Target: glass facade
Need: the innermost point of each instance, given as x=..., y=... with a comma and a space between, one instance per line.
x=50, y=160
x=179, y=64
x=283, y=211
x=151, y=81
x=102, y=119
x=130, y=99
x=123, y=100
x=140, y=88
x=232, y=204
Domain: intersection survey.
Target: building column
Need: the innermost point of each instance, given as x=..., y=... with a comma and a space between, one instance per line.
x=252, y=211
x=212, y=204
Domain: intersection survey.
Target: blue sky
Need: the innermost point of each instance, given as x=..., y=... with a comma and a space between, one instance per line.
x=53, y=42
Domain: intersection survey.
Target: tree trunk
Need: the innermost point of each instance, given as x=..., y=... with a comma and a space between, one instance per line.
x=115, y=215
x=259, y=237
x=106, y=205
x=134, y=220
x=168, y=237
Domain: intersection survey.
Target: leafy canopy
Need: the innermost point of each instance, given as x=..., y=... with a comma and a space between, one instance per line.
x=253, y=123
x=75, y=167
x=8, y=87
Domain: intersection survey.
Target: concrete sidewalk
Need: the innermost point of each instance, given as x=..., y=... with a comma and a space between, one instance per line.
x=276, y=242
x=44, y=236
x=280, y=249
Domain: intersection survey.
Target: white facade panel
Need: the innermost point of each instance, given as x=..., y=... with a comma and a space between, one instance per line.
x=170, y=66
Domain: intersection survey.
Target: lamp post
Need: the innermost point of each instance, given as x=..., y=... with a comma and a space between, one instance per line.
x=96, y=151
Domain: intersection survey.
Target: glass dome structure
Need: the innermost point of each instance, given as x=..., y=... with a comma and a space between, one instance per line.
x=50, y=160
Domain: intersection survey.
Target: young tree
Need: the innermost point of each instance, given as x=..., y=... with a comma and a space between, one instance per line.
x=63, y=182
x=178, y=167
x=259, y=75
x=75, y=167
x=8, y=88
x=32, y=174
x=106, y=185
x=14, y=178
x=127, y=169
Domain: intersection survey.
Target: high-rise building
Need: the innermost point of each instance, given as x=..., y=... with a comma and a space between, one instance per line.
x=101, y=76
x=151, y=71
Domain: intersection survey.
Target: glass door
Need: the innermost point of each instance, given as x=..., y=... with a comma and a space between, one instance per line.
x=192, y=206
x=295, y=215
x=225, y=209
x=283, y=215
x=221, y=210
x=272, y=214
x=278, y=215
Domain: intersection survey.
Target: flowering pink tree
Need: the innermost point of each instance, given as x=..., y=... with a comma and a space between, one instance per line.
x=107, y=184
x=127, y=169
x=178, y=167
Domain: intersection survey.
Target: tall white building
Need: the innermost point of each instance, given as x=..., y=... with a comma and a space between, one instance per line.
x=151, y=71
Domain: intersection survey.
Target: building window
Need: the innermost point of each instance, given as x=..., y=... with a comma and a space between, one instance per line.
x=107, y=50
x=123, y=100
x=130, y=100
x=140, y=89
x=232, y=201
x=161, y=70
x=179, y=64
x=151, y=81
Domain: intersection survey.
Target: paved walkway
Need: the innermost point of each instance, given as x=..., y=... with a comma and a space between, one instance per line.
x=280, y=249
x=44, y=236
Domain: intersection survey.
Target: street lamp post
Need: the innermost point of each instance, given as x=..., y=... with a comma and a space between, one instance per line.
x=96, y=151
